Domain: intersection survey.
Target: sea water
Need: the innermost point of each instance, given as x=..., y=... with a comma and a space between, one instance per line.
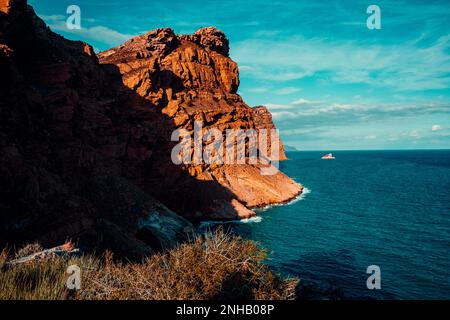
x=384, y=208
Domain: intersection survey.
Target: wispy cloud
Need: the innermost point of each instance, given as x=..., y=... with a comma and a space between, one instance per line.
x=281, y=91
x=259, y=89
x=99, y=33
x=307, y=110
x=405, y=66
x=286, y=90
x=53, y=18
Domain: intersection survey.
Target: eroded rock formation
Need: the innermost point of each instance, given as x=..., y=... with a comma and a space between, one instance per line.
x=85, y=140
x=191, y=78
x=263, y=120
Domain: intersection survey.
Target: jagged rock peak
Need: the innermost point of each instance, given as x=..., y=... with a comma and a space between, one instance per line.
x=197, y=62
x=263, y=116
x=158, y=42
x=162, y=41
x=213, y=39
x=209, y=37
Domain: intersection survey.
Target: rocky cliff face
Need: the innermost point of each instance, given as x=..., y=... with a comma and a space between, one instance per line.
x=263, y=120
x=61, y=132
x=85, y=141
x=191, y=78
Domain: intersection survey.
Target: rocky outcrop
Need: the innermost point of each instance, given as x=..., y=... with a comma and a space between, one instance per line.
x=85, y=140
x=263, y=120
x=190, y=78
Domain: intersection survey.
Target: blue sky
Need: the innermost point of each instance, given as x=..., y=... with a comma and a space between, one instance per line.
x=329, y=81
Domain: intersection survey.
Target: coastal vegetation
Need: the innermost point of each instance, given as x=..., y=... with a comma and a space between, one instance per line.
x=215, y=265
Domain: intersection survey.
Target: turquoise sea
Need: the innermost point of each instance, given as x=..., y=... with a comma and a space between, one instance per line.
x=384, y=208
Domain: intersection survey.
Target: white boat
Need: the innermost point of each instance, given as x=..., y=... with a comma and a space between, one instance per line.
x=328, y=156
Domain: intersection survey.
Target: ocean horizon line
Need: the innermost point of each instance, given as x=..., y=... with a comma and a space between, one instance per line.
x=346, y=150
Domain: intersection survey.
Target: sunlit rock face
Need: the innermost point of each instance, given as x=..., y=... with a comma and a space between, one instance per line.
x=263, y=120
x=190, y=78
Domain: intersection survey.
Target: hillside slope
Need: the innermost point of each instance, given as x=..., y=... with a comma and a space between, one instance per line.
x=85, y=141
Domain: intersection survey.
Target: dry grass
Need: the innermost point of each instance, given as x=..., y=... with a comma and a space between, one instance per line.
x=215, y=266
x=44, y=280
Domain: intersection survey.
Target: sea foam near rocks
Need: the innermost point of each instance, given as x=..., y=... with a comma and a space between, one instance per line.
x=208, y=225
x=300, y=197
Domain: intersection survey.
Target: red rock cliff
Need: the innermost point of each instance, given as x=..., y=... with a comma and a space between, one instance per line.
x=263, y=120
x=85, y=140
x=191, y=78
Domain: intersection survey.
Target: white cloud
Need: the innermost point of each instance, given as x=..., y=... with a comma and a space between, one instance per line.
x=405, y=66
x=436, y=127
x=97, y=33
x=282, y=114
x=357, y=111
x=275, y=106
x=412, y=134
x=286, y=90
x=258, y=90
x=50, y=18
x=245, y=68
x=301, y=102
x=276, y=91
